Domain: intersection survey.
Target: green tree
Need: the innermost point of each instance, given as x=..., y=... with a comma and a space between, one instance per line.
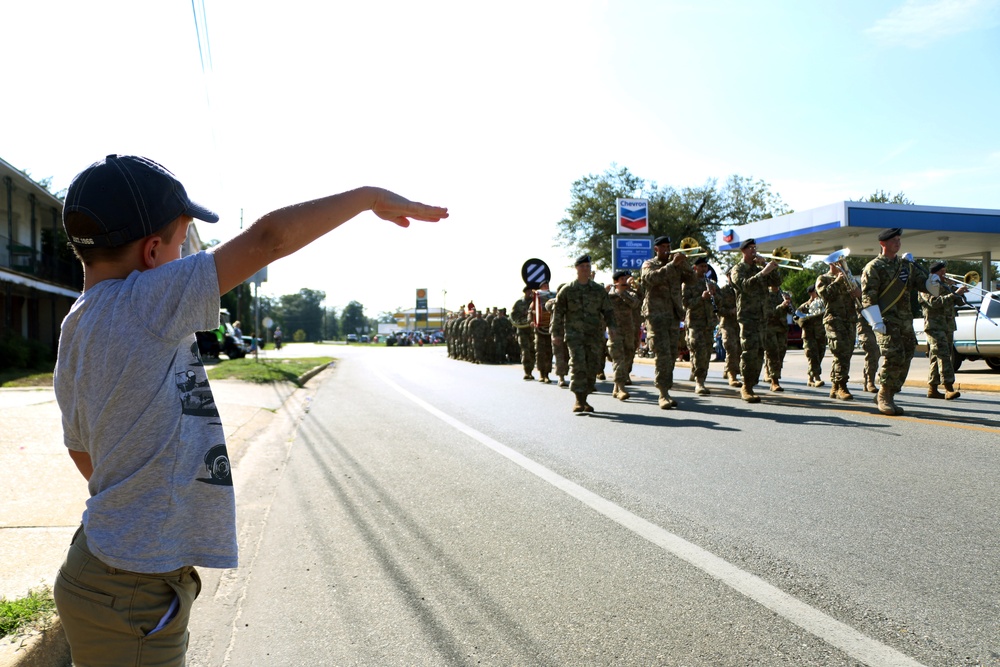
x=303, y=310
x=352, y=319
x=695, y=212
x=883, y=197
x=331, y=324
x=797, y=283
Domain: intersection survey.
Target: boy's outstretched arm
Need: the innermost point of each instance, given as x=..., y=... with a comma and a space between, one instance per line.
x=282, y=232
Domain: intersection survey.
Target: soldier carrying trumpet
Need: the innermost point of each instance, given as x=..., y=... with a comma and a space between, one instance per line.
x=751, y=278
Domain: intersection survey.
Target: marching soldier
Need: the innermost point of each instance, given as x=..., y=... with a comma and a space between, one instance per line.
x=872, y=354
x=939, y=325
x=840, y=296
x=621, y=344
x=520, y=315
x=662, y=277
x=776, y=335
x=725, y=301
x=700, y=319
x=751, y=282
x=559, y=350
x=479, y=330
x=576, y=319
x=543, y=340
x=810, y=320
x=885, y=286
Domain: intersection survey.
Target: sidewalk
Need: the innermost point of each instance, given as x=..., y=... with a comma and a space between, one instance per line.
x=44, y=495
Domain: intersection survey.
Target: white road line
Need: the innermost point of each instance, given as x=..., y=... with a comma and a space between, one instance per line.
x=837, y=634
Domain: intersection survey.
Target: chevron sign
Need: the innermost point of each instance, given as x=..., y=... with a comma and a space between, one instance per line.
x=633, y=216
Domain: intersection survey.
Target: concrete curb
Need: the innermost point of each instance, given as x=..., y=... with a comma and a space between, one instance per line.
x=313, y=372
x=46, y=647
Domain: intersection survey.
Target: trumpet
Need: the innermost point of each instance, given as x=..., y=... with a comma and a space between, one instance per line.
x=784, y=259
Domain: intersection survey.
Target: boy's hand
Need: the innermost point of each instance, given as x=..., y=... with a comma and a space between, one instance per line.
x=396, y=209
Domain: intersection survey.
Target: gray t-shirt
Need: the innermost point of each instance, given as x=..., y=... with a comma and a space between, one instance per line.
x=134, y=395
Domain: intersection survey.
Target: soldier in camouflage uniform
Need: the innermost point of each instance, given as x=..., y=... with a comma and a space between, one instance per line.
x=622, y=343
x=700, y=320
x=501, y=333
x=751, y=283
x=809, y=317
x=725, y=301
x=579, y=307
x=776, y=335
x=520, y=316
x=662, y=277
x=872, y=354
x=939, y=325
x=841, y=321
x=479, y=331
x=559, y=350
x=543, y=339
x=885, y=286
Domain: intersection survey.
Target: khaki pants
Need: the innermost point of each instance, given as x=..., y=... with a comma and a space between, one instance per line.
x=113, y=617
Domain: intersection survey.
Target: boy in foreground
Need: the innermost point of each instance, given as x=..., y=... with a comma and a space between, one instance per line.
x=138, y=415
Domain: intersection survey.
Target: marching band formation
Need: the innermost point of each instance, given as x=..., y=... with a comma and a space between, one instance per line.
x=582, y=324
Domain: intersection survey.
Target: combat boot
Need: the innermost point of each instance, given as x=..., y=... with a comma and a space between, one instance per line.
x=841, y=392
x=601, y=376
x=665, y=401
x=545, y=379
x=578, y=406
x=932, y=392
x=870, y=387
x=949, y=392
x=529, y=376
x=562, y=381
x=733, y=382
x=833, y=390
x=701, y=389
x=885, y=403
x=620, y=393
x=775, y=386
x=747, y=394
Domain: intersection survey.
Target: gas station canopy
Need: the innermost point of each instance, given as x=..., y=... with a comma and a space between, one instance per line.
x=929, y=232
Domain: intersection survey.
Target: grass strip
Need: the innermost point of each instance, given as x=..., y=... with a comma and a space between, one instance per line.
x=21, y=613
x=263, y=370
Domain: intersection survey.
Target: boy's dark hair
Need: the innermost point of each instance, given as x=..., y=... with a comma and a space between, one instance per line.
x=123, y=199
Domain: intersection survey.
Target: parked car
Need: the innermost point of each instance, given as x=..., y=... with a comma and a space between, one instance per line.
x=352, y=338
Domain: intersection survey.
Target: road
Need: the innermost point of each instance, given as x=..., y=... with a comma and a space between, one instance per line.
x=436, y=512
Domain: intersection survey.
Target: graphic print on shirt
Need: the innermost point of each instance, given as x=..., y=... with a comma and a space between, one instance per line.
x=196, y=395
x=218, y=467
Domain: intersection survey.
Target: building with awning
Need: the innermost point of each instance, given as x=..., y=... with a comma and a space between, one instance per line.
x=929, y=232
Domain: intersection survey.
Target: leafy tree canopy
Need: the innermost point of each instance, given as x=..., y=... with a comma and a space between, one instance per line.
x=697, y=212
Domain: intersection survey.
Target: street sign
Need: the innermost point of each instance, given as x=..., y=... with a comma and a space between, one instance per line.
x=535, y=272
x=421, y=298
x=629, y=252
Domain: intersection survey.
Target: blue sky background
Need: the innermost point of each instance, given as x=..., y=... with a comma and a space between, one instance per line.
x=495, y=110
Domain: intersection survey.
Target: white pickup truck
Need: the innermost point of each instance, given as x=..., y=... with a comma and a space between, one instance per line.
x=978, y=334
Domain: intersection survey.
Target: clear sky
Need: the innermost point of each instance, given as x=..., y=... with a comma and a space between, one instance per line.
x=494, y=111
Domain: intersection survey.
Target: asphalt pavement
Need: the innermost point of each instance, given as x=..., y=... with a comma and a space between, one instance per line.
x=44, y=494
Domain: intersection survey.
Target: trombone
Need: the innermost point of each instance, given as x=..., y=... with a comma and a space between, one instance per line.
x=690, y=247
x=969, y=280
x=783, y=257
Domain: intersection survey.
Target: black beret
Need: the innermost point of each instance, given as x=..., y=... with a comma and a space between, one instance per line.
x=700, y=260
x=937, y=266
x=890, y=234
x=528, y=288
x=661, y=240
x=582, y=259
x=748, y=242
x=620, y=274
x=811, y=289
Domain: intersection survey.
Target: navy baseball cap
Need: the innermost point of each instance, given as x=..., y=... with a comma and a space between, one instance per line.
x=129, y=197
